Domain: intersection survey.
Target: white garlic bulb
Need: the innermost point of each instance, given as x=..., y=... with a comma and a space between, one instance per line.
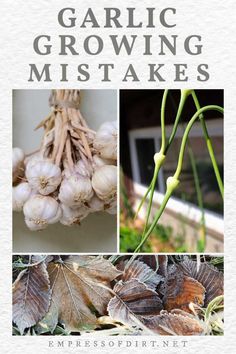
x=43, y=176
x=104, y=182
x=105, y=141
x=112, y=207
x=40, y=211
x=96, y=204
x=83, y=168
x=20, y=194
x=17, y=163
x=75, y=191
x=73, y=216
x=34, y=158
x=98, y=161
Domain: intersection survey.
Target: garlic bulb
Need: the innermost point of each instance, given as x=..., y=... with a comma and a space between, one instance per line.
x=112, y=211
x=20, y=195
x=17, y=163
x=43, y=176
x=83, y=168
x=104, y=182
x=105, y=141
x=40, y=211
x=99, y=161
x=73, y=216
x=96, y=204
x=34, y=158
x=72, y=173
x=112, y=208
x=75, y=191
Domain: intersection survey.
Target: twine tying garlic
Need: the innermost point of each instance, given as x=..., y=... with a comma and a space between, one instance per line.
x=74, y=172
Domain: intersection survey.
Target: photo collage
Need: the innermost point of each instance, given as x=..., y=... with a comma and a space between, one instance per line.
x=118, y=212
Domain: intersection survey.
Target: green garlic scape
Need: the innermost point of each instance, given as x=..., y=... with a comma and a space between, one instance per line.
x=173, y=182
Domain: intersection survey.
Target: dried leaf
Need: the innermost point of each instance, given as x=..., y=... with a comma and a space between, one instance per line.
x=31, y=296
x=80, y=288
x=150, y=260
x=141, y=271
x=162, y=262
x=209, y=276
x=174, y=324
x=172, y=282
x=132, y=301
x=190, y=290
x=49, y=322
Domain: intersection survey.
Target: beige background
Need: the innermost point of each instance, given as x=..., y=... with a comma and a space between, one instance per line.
x=97, y=233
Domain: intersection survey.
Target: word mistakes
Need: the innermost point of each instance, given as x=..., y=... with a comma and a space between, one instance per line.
x=109, y=72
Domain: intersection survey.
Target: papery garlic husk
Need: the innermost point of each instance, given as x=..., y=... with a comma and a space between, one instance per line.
x=17, y=163
x=98, y=161
x=104, y=182
x=81, y=168
x=43, y=176
x=34, y=158
x=73, y=216
x=40, y=211
x=20, y=194
x=105, y=141
x=84, y=168
x=111, y=208
x=75, y=191
x=96, y=204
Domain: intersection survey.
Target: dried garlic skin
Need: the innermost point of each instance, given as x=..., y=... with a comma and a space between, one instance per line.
x=20, y=194
x=104, y=182
x=73, y=216
x=98, y=161
x=75, y=191
x=43, y=176
x=112, y=208
x=84, y=169
x=105, y=141
x=40, y=211
x=96, y=204
x=17, y=163
x=34, y=158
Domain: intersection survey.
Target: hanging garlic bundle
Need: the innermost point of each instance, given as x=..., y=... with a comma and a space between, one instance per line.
x=74, y=172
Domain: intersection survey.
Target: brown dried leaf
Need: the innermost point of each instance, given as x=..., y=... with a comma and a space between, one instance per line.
x=189, y=291
x=162, y=263
x=80, y=286
x=172, y=282
x=150, y=260
x=142, y=272
x=31, y=296
x=181, y=324
x=209, y=276
x=132, y=301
